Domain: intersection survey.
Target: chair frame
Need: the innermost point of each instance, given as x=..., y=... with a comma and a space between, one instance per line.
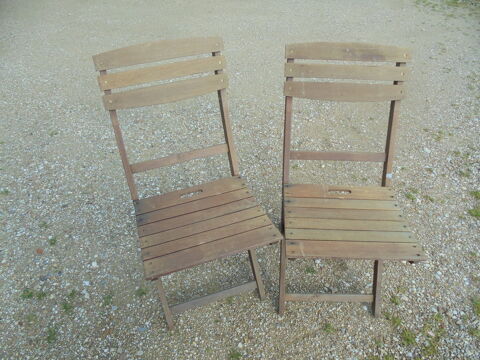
x=159, y=51
x=350, y=52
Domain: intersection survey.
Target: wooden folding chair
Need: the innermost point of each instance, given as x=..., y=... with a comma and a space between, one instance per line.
x=346, y=222
x=180, y=229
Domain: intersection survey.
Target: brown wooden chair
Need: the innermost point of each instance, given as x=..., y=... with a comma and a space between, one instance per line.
x=180, y=229
x=346, y=222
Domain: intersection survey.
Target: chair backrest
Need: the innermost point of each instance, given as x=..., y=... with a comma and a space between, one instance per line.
x=211, y=78
x=344, y=91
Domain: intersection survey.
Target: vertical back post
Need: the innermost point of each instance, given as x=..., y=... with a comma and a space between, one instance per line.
x=121, y=148
x=286, y=141
x=391, y=137
x=227, y=127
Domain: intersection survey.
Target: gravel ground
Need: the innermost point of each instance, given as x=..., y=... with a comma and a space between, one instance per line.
x=71, y=277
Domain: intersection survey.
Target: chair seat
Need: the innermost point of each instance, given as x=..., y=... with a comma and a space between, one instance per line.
x=188, y=227
x=347, y=222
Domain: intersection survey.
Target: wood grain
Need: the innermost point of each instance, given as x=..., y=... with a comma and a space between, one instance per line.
x=355, y=250
x=191, y=218
x=339, y=192
x=177, y=197
x=196, y=205
x=179, y=158
x=203, y=238
x=379, y=215
x=341, y=224
x=215, y=250
x=160, y=72
x=348, y=235
x=161, y=237
x=354, y=72
x=165, y=93
x=341, y=204
x=346, y=52
x=156, y=51
x=337, y=156
x=348, y=92
x=330, y=297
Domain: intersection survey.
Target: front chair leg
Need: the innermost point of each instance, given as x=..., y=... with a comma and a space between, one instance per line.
x=166, y=308
x=377, y=288
x=257, y=273
x=283, y=265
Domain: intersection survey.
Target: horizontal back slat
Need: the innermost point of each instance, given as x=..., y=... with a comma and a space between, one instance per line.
x=156, y=51
x=165, y=93
x=337, y=156
x=346, y=52
x=343, y=91
x=179, y=158
x=160, y=72
x=356, y=72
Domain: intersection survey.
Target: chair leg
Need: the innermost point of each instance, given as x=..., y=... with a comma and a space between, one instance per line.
x=377, y=288
x=283, y=265
x=166, y=308
x=257, y=273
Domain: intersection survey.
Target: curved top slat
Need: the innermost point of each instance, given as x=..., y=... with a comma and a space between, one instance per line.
x=346, y=52
x=156, y=51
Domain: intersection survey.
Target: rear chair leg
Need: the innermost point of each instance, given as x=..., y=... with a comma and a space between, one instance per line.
x=257, y=273
x=166, y=308
x=377, y=288
x=283, y=265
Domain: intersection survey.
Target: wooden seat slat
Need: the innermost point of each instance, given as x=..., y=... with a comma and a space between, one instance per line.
x=348, y=214
x=200, y=227
x=193, y=206
x=197, y=216
x=348, y=235
x=341, y=204
x=338, y=192
x=337, y=224
x=355, y=250
x=205, y=237
x=214, y=250
x=197, y=192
